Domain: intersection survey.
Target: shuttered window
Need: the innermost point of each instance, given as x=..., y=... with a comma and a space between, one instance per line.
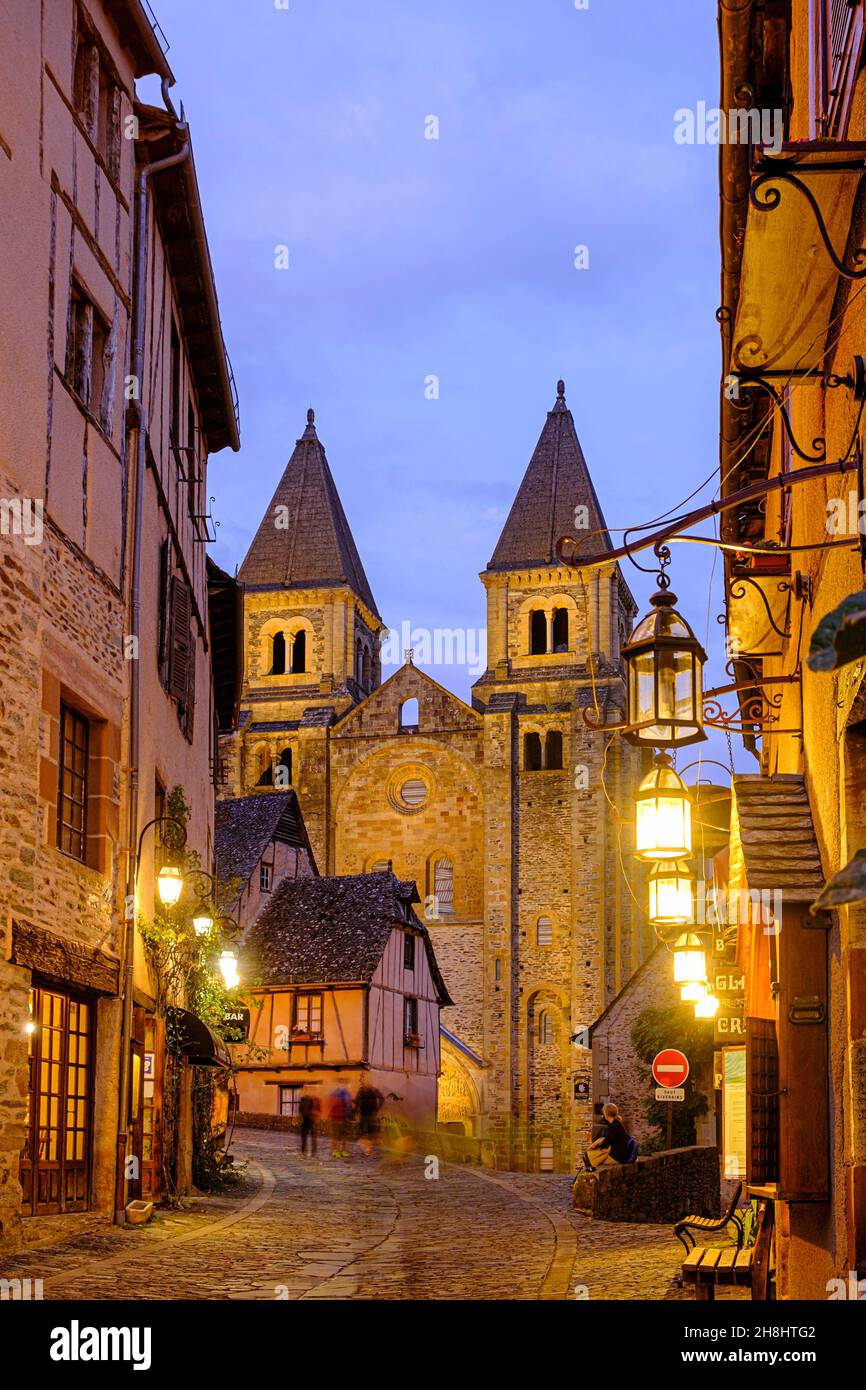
x=762, y=1098
x=840, y=45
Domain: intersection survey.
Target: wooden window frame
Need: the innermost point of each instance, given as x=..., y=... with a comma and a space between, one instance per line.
x=82, y=779
x=408, y=951
x=303, y=1029
x=295, y=1088
x=86, y=368
x=411, y=1036
x=840, y=25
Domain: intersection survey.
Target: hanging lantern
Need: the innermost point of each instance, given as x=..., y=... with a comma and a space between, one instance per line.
x=707, y=1007
x=692, y=992
x=228, y=964
x=670, y=894
x=664, y=676
x=169, y=883
x=690, y=961
x=202, y=920
x=664, y=813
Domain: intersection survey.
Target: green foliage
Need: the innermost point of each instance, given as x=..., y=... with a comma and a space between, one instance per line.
x=677, y=1026
x=840, y=637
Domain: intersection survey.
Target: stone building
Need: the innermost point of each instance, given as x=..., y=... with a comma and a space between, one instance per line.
x=114, y=389
x=792, y=315
x=495, y=809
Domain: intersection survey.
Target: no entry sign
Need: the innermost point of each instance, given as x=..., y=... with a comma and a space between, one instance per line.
x=670, y=1067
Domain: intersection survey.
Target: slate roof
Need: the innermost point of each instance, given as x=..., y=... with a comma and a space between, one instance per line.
x=331, y=930
x=317, y=546
x=555, y=483
x=245, y=825
x=777, y=834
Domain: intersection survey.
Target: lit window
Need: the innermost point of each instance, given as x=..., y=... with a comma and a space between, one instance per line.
x=289, y=1097
x=544, y=932
x=307, y=1015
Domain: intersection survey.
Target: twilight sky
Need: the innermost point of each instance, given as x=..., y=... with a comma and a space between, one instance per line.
x=410, y=257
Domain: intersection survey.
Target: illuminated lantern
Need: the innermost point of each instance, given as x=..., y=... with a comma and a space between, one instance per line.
x=202, y=921
x=692, y=992
x=690, y=961
x=664, y=814
x=169, y=884
x=707, y=1007
x=670, y=894
x=664, y=677
x=228, y=964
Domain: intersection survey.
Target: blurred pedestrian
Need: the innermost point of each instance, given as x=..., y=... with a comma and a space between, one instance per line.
x=339, y=1115
x=368, y=1103
x=309, y=1110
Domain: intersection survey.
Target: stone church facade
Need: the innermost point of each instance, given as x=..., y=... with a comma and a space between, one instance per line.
x=499, y=811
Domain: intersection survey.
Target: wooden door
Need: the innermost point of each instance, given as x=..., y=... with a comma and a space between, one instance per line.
x=55, y=1162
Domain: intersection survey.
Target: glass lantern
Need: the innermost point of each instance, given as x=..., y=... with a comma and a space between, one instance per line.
x=671, y=901
x=664, y=678
x=664, y=814
x=690, y=961
x=707, y=1007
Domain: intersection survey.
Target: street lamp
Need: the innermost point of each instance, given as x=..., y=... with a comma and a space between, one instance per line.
x=670, y=894
x=690, y=961
x=707, y=1007
x=664, y=664
x=169, y=883
x=693, y=991
x=664, y=813
x=202, y=920
x=228, y=964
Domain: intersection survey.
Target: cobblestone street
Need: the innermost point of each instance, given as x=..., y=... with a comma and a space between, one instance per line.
x=366, y=1229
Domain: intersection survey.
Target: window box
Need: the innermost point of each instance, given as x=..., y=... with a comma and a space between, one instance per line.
x=412, y=1040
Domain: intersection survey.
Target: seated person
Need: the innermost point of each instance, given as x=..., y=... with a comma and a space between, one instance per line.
x=613, y=1146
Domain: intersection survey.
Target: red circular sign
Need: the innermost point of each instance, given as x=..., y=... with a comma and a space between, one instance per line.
x=670, y=1067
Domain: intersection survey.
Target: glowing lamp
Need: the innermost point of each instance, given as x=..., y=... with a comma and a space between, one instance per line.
x=690, y=961
x=664, y=814
x=693, y=991
x=169, y=883
x=228, y=964
x=707, y=1007
x=202, y=921
x=670, y=894
x=664, y=664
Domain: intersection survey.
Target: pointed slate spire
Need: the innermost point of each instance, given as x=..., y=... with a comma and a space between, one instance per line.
x=304, y=539
x=554, y=485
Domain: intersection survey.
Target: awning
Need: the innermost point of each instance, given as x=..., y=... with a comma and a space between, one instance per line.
x=788, y=280
x=201, y=1046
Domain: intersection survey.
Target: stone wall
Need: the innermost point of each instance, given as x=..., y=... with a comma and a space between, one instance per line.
x=661, y=1187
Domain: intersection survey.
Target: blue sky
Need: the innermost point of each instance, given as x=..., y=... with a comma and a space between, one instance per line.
x=410, y=257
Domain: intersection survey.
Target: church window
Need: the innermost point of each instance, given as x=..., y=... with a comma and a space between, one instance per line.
x=443, y=886
x=409, y=714
x=366, y=668
x=544, y=932
x=359, y=662
x=381, y=866
x=545, y=1156
x=265, y=769
x=553, y=749
x=532, y=752
x=560, y=629
x=299, y=653
x=546, y=1028
x=497, y=969
x=278, y=662
x=413, y=792
x=283, y=770
x=537, y=633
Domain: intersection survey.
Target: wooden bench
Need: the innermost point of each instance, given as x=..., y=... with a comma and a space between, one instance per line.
x=684, y=1227
x=706, y=1266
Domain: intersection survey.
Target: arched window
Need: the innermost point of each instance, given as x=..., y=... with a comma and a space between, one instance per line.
x=366, y=668
x=409, y=714
x=532, y=752
x=545, y=1156
x=560, y=629
x=545, y=1028
x=544, y=932
x=537, y=633
x=359, y=662
x=265, y=769
x=299, y=653
x=443, y=886
x=553, y=749
x=497, y=969
x=380, y=866
x=278, y=661
x=283, y=770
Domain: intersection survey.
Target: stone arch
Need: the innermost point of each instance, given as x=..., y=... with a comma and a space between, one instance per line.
x=459, y=1102
x=545, y=623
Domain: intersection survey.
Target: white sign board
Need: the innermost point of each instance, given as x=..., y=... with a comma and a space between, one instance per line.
x=670, y=1093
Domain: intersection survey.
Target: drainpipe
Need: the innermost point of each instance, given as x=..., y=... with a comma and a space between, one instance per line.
x=140, y=427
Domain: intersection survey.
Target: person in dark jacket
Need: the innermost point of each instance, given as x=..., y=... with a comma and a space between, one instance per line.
x=612, y=1146
x=368, y=1103
x=309, y=1110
